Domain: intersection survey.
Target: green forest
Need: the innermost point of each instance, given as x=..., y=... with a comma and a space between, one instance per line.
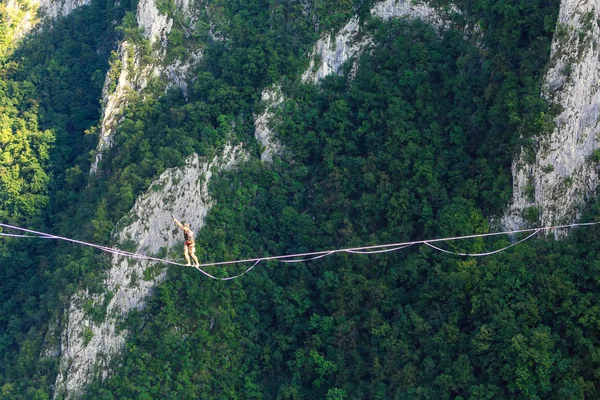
x=418, y=144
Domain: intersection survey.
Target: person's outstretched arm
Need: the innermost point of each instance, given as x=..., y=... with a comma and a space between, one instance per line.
x=179, y=224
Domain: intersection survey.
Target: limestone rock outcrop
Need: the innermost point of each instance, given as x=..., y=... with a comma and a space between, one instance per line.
x=22, y=16
x=330, y=53
x=88, y=347
x=564, y=174
x=271, y=98
x=134, y=73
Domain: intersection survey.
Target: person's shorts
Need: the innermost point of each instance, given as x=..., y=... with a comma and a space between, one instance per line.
x=191, y=247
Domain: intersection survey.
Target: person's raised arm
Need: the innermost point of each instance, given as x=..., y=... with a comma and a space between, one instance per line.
x=177, y=222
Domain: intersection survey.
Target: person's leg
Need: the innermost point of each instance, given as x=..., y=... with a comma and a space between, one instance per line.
x=193, y=251
x=186, y=253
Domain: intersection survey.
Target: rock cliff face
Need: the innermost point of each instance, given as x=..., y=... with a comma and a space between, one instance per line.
x=88, y=347
x=115, y=101
x=333, y=52
x=271, y=98
x=59, y=8
x=156, y=26
x=328, y=56
x=21, y=17
x=564, y=173
x=25, y=15
x=133, y=73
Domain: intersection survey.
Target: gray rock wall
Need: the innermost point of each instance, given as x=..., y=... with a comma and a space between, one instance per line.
x=134, y=74
x=327, y=57
x=88, y=349
x=331, y=52
x=23, y=16
x=565, y=171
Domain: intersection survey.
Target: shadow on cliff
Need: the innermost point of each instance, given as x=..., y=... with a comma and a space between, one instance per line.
x=64, y=64
x=55, y=79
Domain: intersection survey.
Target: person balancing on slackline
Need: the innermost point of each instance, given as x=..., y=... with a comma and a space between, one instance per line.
x=189, y=248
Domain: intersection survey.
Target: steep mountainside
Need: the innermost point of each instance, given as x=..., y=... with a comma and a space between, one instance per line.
x=557, y=173
x=278, y=127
